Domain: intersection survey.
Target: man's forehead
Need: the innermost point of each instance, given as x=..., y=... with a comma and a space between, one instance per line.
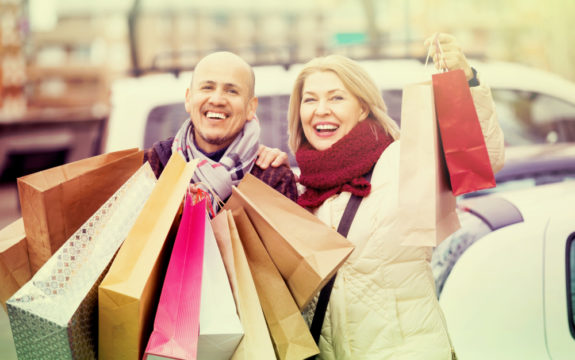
x=227, y=76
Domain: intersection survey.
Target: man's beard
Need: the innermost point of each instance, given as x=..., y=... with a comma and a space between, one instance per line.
x=217, y=141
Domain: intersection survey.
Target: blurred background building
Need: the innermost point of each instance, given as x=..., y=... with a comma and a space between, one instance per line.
x=59, y=58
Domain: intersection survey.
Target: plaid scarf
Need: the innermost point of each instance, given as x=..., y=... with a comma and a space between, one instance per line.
x=341, y=167
x=237, y=160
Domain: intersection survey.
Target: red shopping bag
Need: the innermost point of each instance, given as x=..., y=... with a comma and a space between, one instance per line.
x=463, y=143
x=176, y=327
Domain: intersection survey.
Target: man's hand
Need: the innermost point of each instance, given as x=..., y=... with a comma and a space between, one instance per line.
x=271, y=156
x=453, y=57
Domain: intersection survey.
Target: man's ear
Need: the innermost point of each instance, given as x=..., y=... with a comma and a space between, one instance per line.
x=252, y=107
x=188, y=101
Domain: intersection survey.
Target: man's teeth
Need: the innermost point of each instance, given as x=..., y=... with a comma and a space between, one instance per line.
x=326, y=127
x=215, y=115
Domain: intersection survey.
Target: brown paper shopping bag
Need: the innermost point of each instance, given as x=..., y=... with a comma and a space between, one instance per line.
x=290, y=334
x=128, y=295
x=305, y=250
x=57, y=201
x=14, y=263
x=426, y=204
x=54, y=315
x=256, y=343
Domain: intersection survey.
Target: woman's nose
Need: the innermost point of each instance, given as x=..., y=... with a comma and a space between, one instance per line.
x=322, y=108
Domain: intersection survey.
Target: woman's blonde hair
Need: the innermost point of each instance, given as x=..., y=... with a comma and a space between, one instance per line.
x=355, y=79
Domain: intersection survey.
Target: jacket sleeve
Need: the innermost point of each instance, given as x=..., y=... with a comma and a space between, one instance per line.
x=280, y=178
x=492, y=132
x=151, y=156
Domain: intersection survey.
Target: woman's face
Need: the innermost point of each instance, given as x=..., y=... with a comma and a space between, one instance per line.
x=328, y=111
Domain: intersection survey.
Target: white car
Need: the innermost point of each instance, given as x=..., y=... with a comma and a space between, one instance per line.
x=506, y=279
x=533, y=106
x=510, y=293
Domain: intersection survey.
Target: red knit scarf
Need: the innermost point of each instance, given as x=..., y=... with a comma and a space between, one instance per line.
x=341, y=167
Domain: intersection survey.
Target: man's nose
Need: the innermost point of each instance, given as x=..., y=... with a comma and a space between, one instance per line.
x=217, y=98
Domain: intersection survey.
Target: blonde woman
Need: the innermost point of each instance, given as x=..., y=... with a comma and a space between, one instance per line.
x=383, y=303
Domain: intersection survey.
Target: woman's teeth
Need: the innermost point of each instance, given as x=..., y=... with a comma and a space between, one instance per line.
x=326, y=127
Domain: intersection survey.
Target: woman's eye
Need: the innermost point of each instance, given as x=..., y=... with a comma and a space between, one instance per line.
x=308, y=100
x=337, y=98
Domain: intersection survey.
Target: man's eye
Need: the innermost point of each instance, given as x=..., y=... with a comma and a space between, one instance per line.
x=206, y=87
x=233, y=91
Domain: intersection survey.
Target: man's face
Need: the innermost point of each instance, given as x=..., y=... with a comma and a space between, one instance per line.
x=219, y=101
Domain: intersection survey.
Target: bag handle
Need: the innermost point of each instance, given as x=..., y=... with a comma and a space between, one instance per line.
x=325, y=293
x=442, y=62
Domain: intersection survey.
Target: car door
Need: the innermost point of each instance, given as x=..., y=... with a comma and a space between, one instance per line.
x=559, y=281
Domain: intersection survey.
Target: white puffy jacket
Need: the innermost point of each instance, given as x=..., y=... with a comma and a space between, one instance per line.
x=383, y=304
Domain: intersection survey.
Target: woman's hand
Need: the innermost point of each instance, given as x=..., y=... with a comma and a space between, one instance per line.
x=271, y=156
x=450, y=56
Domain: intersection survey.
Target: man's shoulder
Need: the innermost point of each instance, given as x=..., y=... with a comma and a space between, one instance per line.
x=159, y=154
x=280, y=178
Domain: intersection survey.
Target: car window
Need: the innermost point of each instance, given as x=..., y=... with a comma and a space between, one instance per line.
x=571, y=282
x=272, y=113
x=533, y=118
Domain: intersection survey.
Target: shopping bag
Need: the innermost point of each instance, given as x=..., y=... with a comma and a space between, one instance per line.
x=256, y=343
x=290, y=334
x=54, y=315
x=57, y=201
x=129, y=294
x=461, y=136
x=14, y=263
x=220, y=327
x=426, y=213
x=305, y=250
x=177, y=322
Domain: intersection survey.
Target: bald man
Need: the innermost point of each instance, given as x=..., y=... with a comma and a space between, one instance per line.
x=222, y=129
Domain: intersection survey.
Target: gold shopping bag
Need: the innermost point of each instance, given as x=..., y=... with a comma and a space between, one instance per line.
x=128, y=295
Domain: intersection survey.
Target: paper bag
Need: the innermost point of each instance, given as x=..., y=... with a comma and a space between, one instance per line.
x=14, y=263
x=57, y=201
x=306, y=251
x=129, y=294
x=54, y=316
x=290, y=334
x=220, y=327
x=177, y=322
x=426, y=214
x=463, y=142
x=256, y=343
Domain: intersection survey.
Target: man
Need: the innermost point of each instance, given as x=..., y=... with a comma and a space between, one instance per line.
x=223, y=132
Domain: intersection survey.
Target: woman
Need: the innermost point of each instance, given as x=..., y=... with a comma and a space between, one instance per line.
x=383, y=303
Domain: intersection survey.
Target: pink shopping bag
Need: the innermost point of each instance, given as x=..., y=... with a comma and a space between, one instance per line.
x=176, y=327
